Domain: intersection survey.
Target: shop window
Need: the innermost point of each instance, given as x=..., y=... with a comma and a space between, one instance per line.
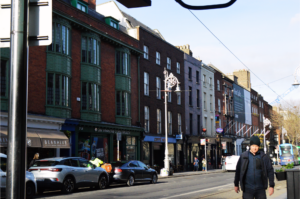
x=146, y=152
x=58, y=90
x=99, y=148
x=130, y=148
x=90, y=50
x=90, y=96
x=84, y=147
x=171, y=153
x=60, y=39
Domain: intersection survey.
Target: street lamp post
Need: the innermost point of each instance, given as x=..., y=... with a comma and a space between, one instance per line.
x=170, y=81
x=267, y=122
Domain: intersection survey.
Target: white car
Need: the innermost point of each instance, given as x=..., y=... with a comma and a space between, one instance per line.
x=31, y=187
x=231, y=162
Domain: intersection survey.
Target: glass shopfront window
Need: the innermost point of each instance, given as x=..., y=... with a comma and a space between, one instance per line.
x=99, y=148
x=146, y=152
x=171, y=153
x=194, y=152
x=131, y=148
x=84, y=146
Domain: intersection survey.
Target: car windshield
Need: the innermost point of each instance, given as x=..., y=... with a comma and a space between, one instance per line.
x=45, y=163
x=285, y=150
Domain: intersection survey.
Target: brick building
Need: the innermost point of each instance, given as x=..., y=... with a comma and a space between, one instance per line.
x=89, y=78
x=158, y=55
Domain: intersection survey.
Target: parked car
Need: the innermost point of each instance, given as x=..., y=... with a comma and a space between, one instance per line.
x=134, y=171
x=67, y=174
x=231, y=162
x=31, y=186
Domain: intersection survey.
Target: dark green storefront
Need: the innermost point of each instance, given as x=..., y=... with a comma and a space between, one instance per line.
x=101, y=141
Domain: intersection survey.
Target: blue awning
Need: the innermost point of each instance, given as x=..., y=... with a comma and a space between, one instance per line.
x=158, y=139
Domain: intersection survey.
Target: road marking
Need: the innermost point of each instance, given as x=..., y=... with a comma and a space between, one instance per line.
x=196, y=191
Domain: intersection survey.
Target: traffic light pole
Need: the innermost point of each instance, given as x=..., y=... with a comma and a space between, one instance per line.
x=17, y=112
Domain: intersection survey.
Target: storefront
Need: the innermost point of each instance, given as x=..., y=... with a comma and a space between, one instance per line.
x=99, y=140
x=43, y=141
x=194, y=150
x=154, y=151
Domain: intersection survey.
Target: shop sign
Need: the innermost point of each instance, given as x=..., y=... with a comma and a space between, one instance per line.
x=202, y=141
x=119, y=136
x=179, y=137
x=158, y=139
x=219, y=130
x=49, y=143
x=224, y=145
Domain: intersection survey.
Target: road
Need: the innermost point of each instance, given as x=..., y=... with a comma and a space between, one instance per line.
x=217, y=185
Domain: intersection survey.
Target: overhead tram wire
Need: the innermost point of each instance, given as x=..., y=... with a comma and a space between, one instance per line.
x=274, y=81
x=235, y=55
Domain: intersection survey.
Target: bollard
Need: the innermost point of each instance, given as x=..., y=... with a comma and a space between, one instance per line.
x=293, y=183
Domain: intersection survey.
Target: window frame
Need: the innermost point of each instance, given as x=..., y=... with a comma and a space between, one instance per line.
x=178, y=67
x=127, y=113
x=146, y=84
x=158, y=121
x=218, y=85
x=179, y=124
x=169, y=63
x=197, y=76
x=158, y=58
x=62, y=42
x=169, y=123
x=96, y=96
x=146, y=52
x=158, y=88
x=147, y=119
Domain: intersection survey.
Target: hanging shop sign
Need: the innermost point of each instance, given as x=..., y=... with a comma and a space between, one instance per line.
x=219, y=130
x=202, y=141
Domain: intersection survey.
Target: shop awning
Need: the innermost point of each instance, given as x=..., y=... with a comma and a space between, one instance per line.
x=149, y=138
x=39, y=138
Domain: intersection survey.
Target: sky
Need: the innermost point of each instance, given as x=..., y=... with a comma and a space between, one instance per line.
x=264, y=35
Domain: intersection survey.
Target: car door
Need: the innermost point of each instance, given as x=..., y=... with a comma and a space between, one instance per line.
x=76, y=170
x=87, y=169
x=147, y=173
x=137, y=170
x=3, y=172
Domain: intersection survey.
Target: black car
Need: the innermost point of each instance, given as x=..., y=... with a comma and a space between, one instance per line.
x=134, y=171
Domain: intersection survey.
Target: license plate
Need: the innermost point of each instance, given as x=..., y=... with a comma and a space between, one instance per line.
x=41, y=179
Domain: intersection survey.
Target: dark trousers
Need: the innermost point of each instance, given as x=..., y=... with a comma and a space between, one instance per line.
x=257, y=194
x=195, y=168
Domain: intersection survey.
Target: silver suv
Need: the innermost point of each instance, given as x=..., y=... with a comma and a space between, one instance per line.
x=30, y=179
x=68, y=174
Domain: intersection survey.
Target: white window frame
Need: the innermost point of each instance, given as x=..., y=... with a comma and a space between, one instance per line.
x=146, y=52
x=178, y=67
x=170, y=122
x=147, y=119
x=158, y=123
x=146, y=83
x=158, y=88
x=157, y=58
x=179, y=123
x=169, y=63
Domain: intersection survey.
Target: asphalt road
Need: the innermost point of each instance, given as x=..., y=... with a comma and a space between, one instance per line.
x=213, y=186
x=198, y=186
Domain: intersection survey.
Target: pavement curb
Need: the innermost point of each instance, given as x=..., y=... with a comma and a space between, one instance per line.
x=191, y=174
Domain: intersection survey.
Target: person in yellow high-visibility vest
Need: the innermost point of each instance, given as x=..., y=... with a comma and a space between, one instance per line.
x=97, y=162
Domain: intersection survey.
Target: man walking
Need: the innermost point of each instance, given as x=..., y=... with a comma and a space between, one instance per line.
x=253, y=170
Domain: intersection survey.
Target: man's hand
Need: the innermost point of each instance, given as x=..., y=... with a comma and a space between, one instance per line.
x=237, y=189
x=271, y=190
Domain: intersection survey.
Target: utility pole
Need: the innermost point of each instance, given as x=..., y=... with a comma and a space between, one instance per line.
x=17, y=112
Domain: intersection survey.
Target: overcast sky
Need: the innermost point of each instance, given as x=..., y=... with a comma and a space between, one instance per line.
x=264, y=35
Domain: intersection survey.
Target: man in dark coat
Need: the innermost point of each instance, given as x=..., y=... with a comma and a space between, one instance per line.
x=253, y=170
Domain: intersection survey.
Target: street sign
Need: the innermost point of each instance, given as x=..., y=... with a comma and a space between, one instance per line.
x=202, y=142
x=179, y=137
x=219, y=130
x=119, y=136
x=40, y=23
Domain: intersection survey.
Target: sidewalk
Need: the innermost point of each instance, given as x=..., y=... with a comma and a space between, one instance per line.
x=190, y=173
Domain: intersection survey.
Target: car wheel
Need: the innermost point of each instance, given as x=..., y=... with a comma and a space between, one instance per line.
x=102, y=183
x=30, y=190
x=68, y=185
x=154, y=179
x=130, y=180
